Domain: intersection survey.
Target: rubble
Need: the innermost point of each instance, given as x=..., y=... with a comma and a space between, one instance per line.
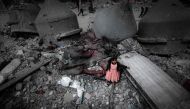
x=130, y=44
x=65, y=81
x=68, y=97
x=82, y=60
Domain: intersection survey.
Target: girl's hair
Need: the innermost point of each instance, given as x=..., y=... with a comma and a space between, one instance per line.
x=109, y=63
x=120, y=67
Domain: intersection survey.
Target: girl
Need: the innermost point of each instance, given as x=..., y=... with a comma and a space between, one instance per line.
x=113, y=70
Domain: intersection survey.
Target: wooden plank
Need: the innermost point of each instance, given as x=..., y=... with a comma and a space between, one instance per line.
x=161, y=89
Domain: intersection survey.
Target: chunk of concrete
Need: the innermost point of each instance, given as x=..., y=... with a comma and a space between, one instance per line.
x=68, y=97
x=11, y=67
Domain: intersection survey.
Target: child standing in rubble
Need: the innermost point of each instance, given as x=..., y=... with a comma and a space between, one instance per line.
x=113, y=71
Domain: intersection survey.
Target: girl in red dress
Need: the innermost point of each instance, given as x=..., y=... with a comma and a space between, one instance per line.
x=113, y=72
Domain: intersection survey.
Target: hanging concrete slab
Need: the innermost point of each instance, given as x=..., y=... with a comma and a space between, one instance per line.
x=167, y=19
x=22, y=18
x=115, y=22
x=55, y=19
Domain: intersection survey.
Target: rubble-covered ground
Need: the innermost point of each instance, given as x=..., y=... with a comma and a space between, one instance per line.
x=42, y=90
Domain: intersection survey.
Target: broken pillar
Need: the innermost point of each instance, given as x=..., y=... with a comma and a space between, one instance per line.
x=115, y=22
x=22, y=18
x=56, y=20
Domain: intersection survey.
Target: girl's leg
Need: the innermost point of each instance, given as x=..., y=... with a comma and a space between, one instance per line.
x=108, y=83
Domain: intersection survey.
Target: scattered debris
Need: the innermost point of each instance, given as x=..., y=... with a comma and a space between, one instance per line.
x=87, y=96
x=80, y=89
x=131, y=44
x=65, y=81
x=68, y=97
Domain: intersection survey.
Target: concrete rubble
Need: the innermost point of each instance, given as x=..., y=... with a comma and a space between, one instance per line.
x=55, y=86
x=74, y=76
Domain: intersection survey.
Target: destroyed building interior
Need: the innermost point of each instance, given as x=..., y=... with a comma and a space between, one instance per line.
x=95, y=54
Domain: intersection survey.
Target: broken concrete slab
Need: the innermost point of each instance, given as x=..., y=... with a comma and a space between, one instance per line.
x=116, y=23
x=68, y=97
x=54, y=19
x=183, y=62
x=9, y=69
x=22, y=18
x=166, y=20
x=131, y=44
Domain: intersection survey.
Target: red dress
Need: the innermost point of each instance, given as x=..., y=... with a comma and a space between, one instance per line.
x=113, y=75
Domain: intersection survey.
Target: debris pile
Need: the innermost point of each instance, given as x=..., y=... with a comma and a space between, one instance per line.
x=73, y=78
